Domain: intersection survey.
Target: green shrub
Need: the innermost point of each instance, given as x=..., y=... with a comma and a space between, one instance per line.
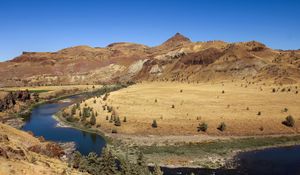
x=202, y=127
x=154, y=124
x=117, y=121
x=222, y=126
x=289, y=121
x=114, y=131
x=93, y=119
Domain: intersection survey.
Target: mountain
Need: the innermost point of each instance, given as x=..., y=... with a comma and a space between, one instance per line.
x=177, y=59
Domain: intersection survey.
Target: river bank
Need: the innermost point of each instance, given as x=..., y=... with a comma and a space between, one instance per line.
x=200, y=151
x=189, y=151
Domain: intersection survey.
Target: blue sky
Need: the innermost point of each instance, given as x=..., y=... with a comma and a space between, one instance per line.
x=50, y=25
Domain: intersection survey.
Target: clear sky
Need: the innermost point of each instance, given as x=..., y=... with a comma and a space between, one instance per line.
x=50, y=25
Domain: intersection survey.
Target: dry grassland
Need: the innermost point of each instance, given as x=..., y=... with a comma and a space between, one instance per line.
x=238, y=107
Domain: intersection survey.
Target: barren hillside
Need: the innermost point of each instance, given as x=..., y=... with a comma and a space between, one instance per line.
x=177, y=59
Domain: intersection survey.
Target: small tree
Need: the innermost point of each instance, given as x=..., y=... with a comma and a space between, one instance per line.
x=289, y=121
x=93, y=119
x=73, y=110
x=117, y=121
x=202, y=127
x=222, y=126
x=154, y=124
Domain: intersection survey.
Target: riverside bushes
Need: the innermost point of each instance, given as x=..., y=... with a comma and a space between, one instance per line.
x=109, y=164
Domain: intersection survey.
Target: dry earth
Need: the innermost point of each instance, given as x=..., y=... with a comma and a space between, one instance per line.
x=237, y=107
x=15, y=157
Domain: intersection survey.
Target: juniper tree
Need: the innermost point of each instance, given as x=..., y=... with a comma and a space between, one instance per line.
x=154, y=124
x=117, y=121
x=202, y=127
x=108, y=163
x=73, y=110
x=93, y=119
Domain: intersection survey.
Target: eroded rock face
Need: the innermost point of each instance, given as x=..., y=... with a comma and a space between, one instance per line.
x=122, y=62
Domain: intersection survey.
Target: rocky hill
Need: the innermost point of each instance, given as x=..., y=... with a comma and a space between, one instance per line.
x=177, y=59
x=21, y=153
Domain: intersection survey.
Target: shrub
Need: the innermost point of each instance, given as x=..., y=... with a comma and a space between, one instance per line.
x=273, y=90
x=202, y=127
x=180, y=90
x=296, y=92
x=173, y=106
x=223, y=92
x=285, y=110
x=289, y=121
x=70, y=119
x=93, y=119
x=155, y=100
x=86, y=112
x=222, y=126
x=114, y=131
x=73, y=110
x=154, y=124
x=95, y=101
x=259, y=113
x=117, y=121
x=107, y=117
x=124, y=120
x=261, y=128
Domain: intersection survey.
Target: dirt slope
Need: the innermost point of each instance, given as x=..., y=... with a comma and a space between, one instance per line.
x=177, y=59
x=17, y=155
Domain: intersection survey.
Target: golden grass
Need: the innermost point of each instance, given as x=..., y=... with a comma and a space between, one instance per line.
x=200, y=103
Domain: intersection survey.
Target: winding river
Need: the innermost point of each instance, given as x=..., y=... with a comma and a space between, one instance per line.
x=273, y=161
x=42, y=123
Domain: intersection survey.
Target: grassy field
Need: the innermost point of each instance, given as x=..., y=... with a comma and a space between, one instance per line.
x=212, y=154
x=179, y=108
